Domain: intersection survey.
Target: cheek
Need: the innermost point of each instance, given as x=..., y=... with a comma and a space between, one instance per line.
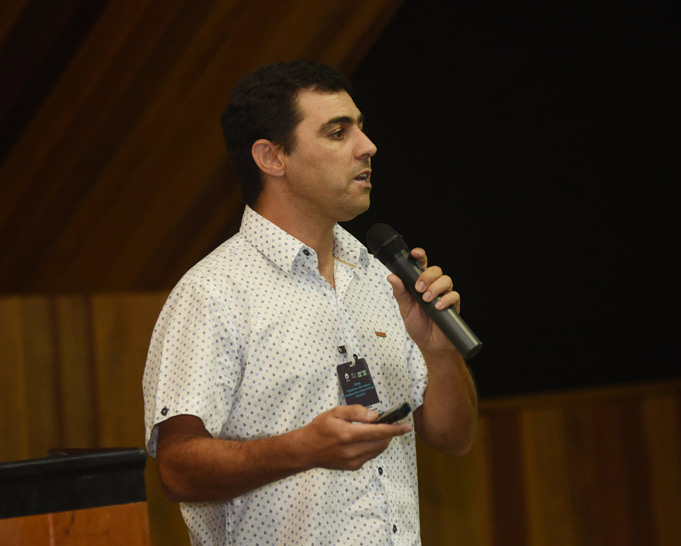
x=324, y=168
x=309, y=161
x=319, y=166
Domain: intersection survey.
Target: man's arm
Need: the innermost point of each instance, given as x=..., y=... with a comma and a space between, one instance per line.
x=447, y=420
x=194, y=466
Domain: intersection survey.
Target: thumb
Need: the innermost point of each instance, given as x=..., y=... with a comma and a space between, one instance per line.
x=397, y=284
x=404, y=300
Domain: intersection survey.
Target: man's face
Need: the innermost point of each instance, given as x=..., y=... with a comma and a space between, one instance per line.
x=329, y=169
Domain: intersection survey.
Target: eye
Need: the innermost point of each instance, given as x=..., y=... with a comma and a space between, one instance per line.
x=338, y=134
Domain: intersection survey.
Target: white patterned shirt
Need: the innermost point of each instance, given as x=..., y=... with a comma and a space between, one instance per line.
x=248, y=341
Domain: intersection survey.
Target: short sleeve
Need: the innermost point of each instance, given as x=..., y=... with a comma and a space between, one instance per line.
x=193, y=362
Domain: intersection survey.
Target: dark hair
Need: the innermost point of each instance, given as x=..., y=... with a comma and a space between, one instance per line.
x=263, y=105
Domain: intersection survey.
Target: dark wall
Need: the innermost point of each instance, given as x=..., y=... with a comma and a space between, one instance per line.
x=532, y=149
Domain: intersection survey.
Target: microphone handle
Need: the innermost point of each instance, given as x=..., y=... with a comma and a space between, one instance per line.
x=448, y=320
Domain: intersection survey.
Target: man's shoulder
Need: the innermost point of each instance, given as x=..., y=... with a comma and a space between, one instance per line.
x=220, y=267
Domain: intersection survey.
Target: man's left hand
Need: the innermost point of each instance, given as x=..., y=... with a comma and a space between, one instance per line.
x=430, y=284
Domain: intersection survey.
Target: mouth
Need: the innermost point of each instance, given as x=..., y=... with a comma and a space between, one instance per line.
x=364, y=176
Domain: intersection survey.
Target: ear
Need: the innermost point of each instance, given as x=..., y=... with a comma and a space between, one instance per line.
x=267, y=157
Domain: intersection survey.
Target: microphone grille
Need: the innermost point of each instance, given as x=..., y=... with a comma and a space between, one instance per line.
x=378, y=235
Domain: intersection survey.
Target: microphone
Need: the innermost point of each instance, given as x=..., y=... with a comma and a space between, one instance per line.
x=389, y=247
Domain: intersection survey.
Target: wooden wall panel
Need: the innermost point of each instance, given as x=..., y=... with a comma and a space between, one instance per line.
x=14, y=430
x=455, y=500
x=661, y=416
x=544, y=447
x=508, y=518
x=589, y=468
x=121, y=339
x=114, y=173
x=70, y=372
x=76, y=388
x=116, y=525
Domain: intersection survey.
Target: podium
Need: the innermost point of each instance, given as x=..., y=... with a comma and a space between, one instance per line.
x=75, y=498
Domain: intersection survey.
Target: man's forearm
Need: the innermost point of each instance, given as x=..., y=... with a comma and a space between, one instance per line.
x=194, y=466
x=199, y=468
x=448, y=418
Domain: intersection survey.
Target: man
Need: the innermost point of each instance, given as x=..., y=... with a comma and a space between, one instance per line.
x=247, y=408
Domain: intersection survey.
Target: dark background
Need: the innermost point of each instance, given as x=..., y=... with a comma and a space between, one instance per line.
x=532, y=149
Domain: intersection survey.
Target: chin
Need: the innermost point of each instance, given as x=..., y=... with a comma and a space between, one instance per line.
x=350, y=208
x=351, y=215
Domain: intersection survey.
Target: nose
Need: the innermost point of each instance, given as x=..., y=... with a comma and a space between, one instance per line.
x=365, y=147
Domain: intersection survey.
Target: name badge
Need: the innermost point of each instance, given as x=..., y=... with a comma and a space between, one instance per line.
x=356, y=383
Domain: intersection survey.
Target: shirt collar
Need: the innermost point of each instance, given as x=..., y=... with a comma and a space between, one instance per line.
x=283, y=248
x=348, y=249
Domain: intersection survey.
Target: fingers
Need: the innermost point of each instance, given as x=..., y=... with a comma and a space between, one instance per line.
x=345, y=437
x=359, y=415
x=433, y=283
x=441, y=287
x=420, y=256
x=355, y=412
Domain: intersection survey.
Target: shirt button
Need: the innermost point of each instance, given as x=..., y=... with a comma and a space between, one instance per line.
x=380, y=471
x=394, y=528
x=306, y=252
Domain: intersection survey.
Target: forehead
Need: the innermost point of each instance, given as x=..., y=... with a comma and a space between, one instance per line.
x=318, y=107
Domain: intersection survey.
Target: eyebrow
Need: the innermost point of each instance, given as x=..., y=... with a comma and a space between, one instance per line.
x=341, y=120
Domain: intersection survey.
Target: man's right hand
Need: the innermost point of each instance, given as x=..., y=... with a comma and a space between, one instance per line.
x=345, y=437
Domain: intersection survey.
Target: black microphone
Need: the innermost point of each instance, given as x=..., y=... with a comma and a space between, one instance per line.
x=389, y=247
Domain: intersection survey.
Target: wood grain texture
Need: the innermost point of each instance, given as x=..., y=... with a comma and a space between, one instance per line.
x=113, y=168
x=117, y=525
